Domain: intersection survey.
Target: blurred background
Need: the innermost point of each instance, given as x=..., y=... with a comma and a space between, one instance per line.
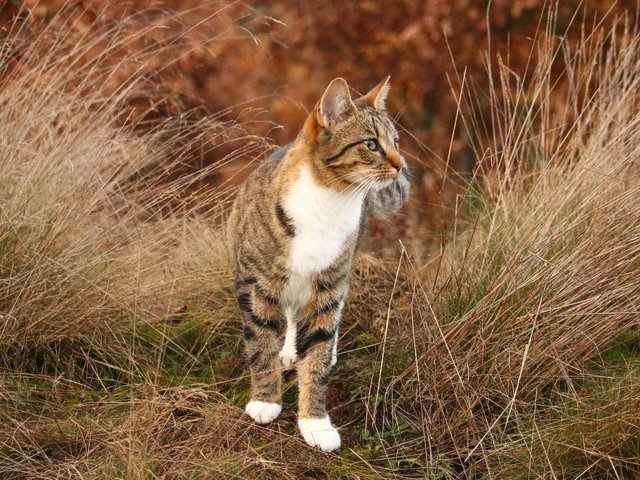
x=260, y=65
x=503, y=341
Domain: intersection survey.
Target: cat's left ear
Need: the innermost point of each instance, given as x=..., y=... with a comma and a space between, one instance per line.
x=336, y=104
x=377, y=96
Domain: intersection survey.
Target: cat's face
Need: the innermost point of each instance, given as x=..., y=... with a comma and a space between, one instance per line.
x=356, y=141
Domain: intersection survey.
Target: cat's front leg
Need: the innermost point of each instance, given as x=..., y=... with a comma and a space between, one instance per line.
x=315, y=344
x=262, y=326
x=334, y=350
x=288, y=354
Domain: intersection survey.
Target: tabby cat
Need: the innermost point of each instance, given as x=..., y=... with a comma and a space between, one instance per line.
x=293, y=231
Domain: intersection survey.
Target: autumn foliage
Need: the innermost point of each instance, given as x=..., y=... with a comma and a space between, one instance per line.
x=264, y=63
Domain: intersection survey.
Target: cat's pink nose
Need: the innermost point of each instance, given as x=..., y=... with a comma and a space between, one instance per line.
x=396, y=163
x=395, y=160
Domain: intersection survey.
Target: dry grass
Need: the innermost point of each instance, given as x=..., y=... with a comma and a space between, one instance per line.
x=85, y=233
x=540, y=277
x=510, y=354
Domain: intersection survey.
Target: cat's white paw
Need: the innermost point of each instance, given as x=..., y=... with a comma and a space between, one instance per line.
x=263, y=412
x=288, y=356
x=318, y=432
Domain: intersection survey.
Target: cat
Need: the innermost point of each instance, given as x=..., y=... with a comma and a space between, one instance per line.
x=293, y=231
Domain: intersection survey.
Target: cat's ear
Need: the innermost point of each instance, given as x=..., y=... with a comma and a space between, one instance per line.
x=377, y=96
x=336, y=104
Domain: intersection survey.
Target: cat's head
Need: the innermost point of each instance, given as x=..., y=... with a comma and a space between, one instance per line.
x=353, y=143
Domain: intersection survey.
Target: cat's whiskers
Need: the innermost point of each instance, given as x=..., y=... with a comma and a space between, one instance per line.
x=364, y=179
x=342, y=177
x=356, y=194
x=358, y=173
x=363, y=186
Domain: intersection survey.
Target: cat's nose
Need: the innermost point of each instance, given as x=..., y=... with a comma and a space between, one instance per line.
x=396, y=162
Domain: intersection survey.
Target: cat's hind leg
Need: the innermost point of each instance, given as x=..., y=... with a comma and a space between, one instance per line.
x=262, y=327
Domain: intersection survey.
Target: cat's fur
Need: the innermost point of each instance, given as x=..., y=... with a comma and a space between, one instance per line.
x=293, y=232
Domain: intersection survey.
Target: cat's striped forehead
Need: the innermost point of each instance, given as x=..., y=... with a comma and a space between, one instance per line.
x=378, y=122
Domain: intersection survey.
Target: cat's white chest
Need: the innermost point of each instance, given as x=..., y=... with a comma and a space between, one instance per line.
x=323, y=219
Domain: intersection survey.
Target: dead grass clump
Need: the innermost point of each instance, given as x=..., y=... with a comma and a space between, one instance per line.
x=145, y=431
x=589, y=430
x=86, y=244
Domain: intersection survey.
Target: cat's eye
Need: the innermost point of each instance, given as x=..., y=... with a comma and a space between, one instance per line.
x=372, y=144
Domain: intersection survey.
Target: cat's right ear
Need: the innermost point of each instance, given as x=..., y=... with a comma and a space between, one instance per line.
x=335, y=105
